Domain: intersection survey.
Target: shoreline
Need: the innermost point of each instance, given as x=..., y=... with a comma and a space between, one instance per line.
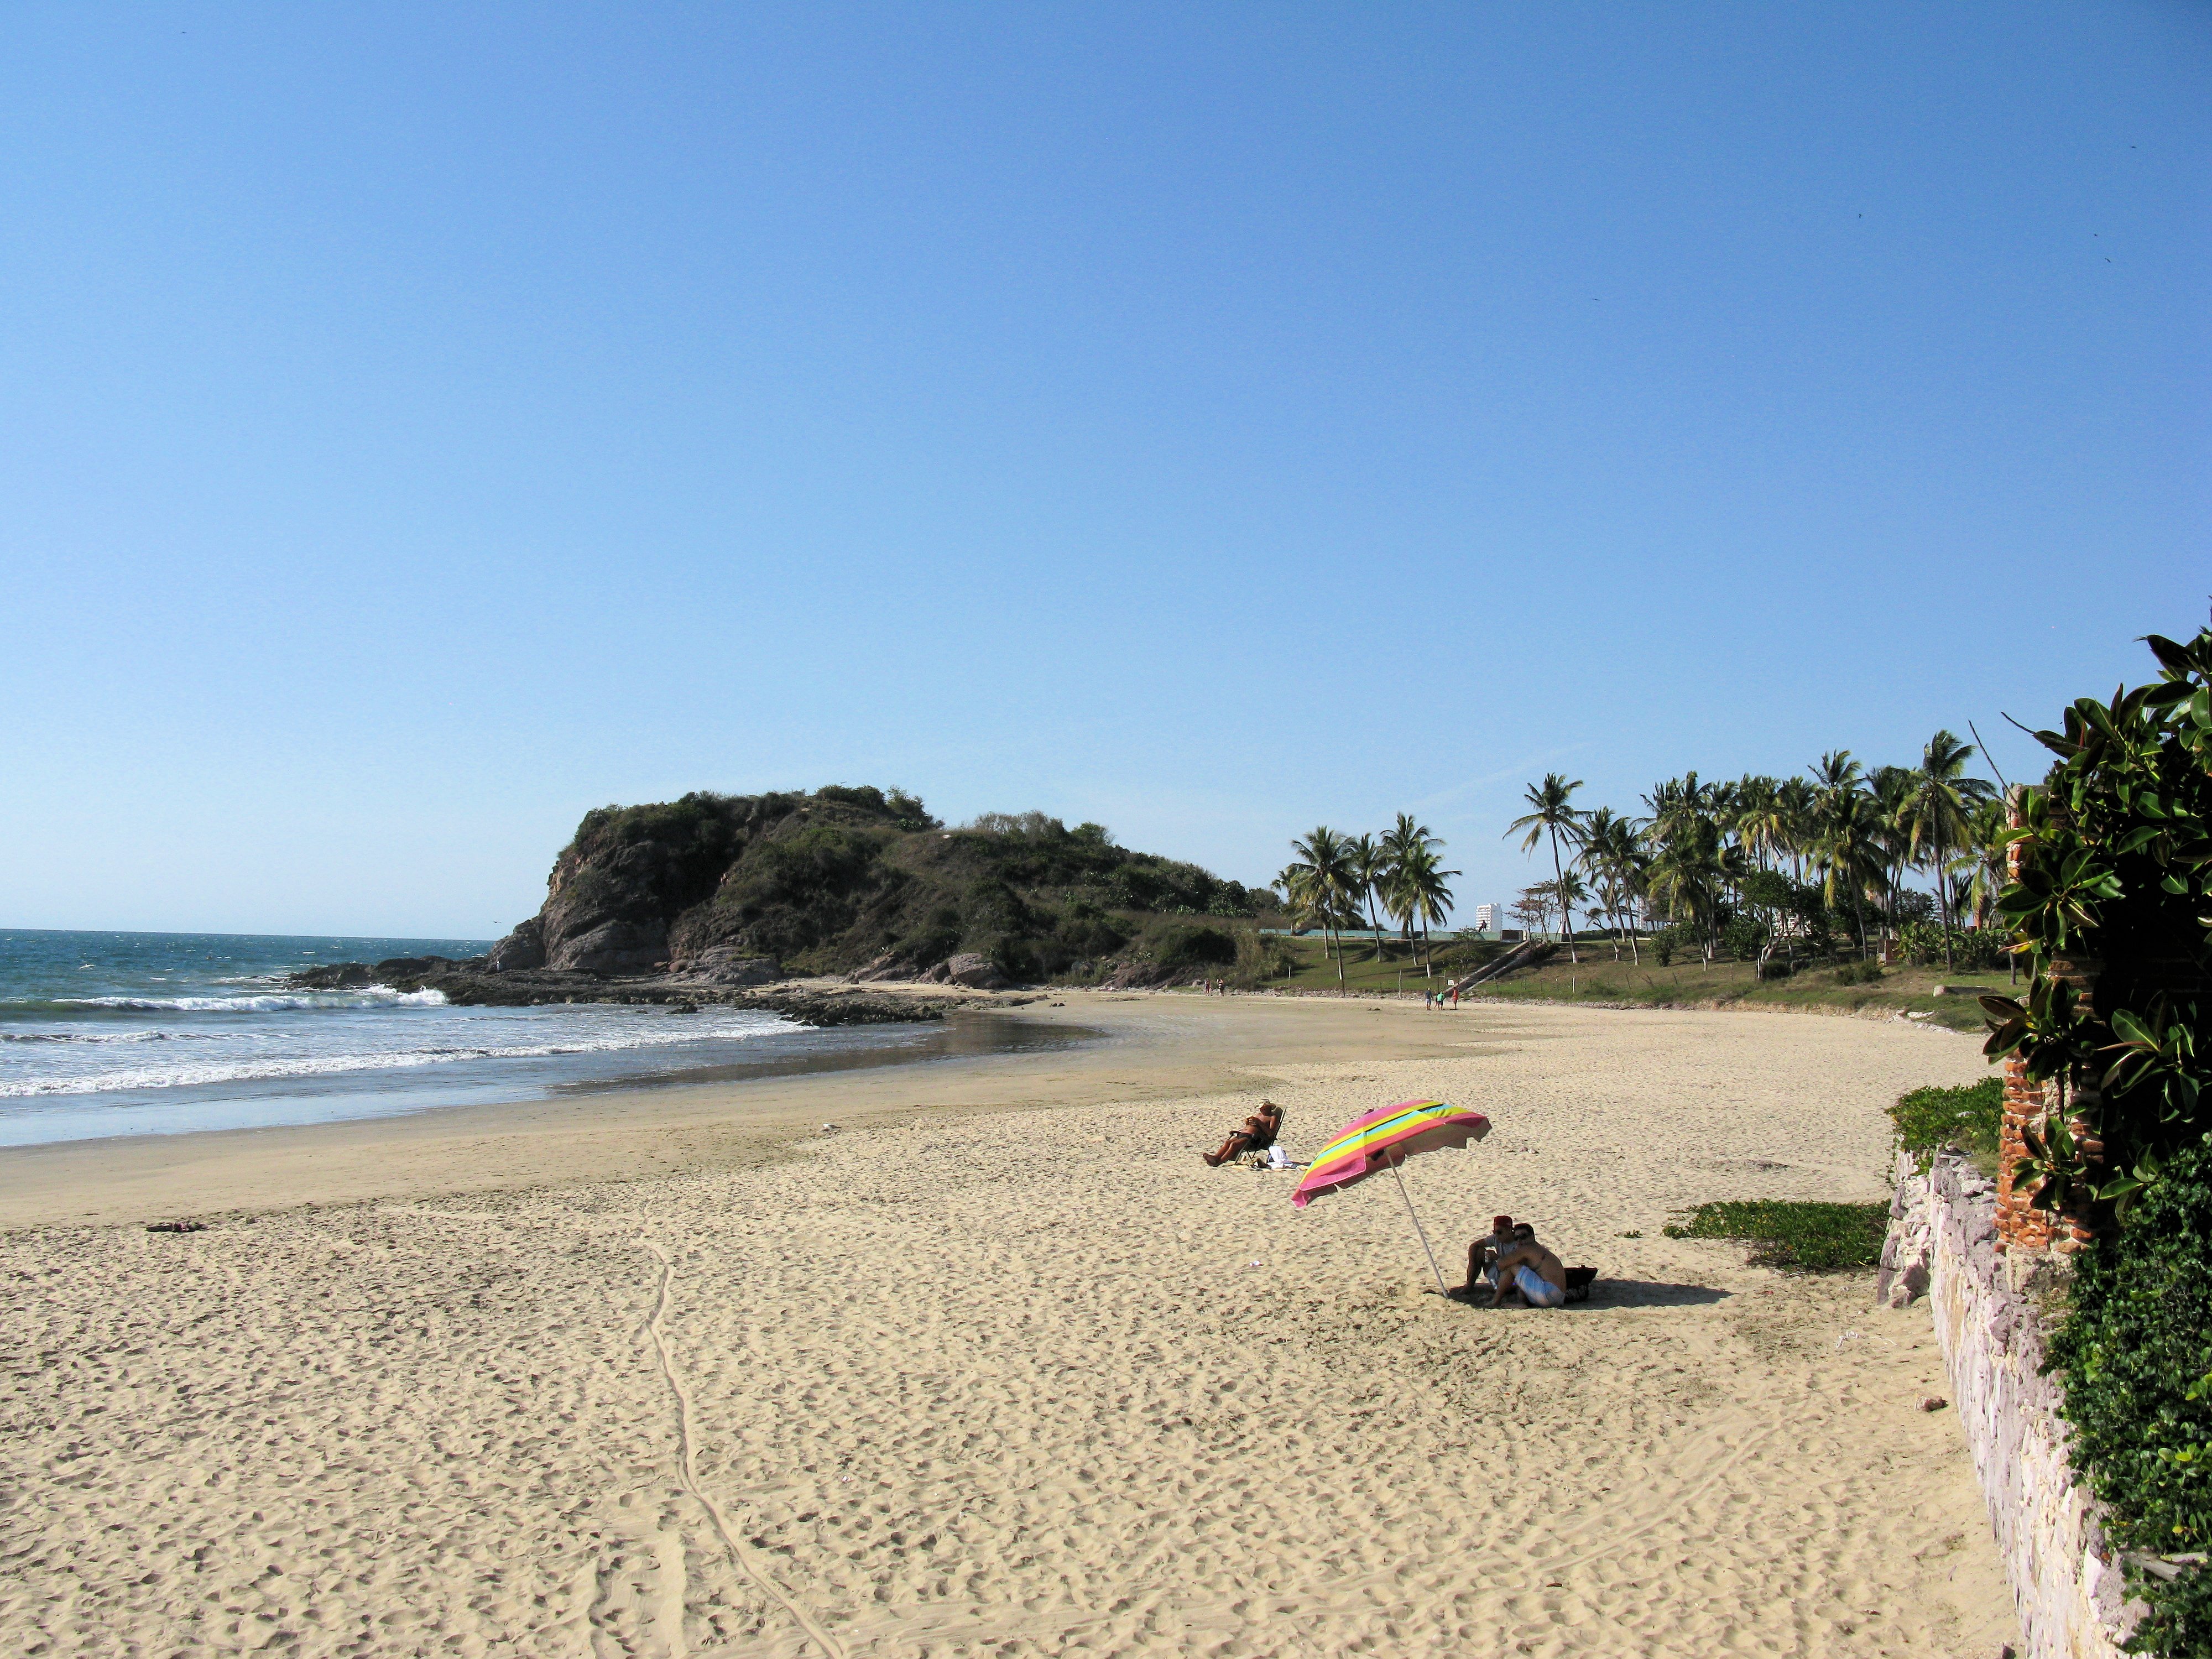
x=1135, y=1041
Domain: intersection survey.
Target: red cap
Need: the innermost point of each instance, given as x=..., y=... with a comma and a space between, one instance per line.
x=1501, y=1223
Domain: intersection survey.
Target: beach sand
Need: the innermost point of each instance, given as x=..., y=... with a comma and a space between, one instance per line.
x=998, y=1366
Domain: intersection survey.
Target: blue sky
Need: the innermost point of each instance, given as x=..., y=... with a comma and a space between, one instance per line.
x=421, y=424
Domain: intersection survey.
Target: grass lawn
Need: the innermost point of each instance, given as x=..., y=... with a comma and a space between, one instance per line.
x=1687, y=984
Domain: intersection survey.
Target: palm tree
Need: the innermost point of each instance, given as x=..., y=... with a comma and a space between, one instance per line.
x=1689, y=871
x=1404, y=843
x=1939, y=814
x=1762, y=822
x=1573, y=894
x=1609, y=854
x=1419, y=894
x=1324, y=882
x=1845, y=833
x=1370, y=865
x=1554, y=815
x=1797, y=807
x=1892, y=789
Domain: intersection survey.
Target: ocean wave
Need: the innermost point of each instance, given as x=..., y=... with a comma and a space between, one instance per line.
x=121, y=1036
x=277, y=1068
x=372, y=996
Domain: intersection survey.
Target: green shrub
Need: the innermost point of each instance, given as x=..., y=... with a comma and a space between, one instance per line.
x=1186, y=945
x=1744, y=938
x=2114, y=866
x=1977, y=949
x=1859, y=973
x=1968, y=1117
x=2135, y=1353
x=1813, y=1237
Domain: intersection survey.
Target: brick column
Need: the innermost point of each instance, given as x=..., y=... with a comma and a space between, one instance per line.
x=2019, y=1226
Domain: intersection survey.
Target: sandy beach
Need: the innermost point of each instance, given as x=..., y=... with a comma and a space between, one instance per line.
x=997, y=1366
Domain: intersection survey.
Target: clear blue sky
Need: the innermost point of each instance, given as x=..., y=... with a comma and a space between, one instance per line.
x=419, y=424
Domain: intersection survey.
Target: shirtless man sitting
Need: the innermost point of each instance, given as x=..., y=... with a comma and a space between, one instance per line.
x=1484, y=1253
x=1532, y=1270
x=1258, y=1134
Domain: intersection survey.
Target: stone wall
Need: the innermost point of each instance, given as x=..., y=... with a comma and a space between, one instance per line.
x=1944, y=1245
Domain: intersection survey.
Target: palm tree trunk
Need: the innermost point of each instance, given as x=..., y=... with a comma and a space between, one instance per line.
x=1559, y=877
x=1943, y=905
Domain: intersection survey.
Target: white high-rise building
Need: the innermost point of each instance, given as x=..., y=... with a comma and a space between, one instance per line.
x=1485, y=918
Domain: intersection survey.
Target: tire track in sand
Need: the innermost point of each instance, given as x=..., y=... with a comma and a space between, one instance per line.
x=688, y=1470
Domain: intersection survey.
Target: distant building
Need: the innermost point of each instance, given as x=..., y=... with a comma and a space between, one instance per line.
x=1485, y=918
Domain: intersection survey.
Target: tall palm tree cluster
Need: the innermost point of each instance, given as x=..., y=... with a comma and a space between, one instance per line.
x=1703, y=851
x=1336, y=881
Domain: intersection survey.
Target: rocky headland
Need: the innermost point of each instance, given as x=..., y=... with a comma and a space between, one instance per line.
x=839, y=906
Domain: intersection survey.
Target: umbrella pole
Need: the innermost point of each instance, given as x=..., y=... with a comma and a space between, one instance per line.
x=1398, y=1168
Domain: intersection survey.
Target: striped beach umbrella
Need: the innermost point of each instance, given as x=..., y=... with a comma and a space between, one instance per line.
x=1385, y=1139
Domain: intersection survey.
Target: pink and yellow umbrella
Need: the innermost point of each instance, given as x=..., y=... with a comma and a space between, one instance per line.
x=1385, y=1139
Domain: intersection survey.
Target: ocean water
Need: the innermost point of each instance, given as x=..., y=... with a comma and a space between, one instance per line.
x=118, y=1034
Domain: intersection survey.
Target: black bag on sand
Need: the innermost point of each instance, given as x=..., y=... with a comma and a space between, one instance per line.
x=1579, y=1280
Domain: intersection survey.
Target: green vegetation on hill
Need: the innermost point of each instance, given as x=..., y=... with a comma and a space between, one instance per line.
x=845, y=876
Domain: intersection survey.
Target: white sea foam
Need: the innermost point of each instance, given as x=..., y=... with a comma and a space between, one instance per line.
x=371, y=996
x=277, y=1068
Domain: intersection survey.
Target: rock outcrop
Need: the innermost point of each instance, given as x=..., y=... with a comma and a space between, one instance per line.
x=976, y=971
x=860, y=881
x=523, y=948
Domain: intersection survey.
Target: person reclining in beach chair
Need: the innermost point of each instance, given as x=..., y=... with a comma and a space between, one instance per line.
x=1258, y=1134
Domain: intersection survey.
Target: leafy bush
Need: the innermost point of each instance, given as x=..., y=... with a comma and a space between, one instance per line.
x=1859, y=973
x=2115, y=867
x=2135, y=1356
x=1744, y=938
x=1182, y=944
x=1977, y=949
x=1968, y=1117
x=1812, y=1237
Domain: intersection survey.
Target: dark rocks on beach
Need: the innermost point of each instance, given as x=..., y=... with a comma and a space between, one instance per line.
x=976, y=971
x=726, y=964
x=735, y=983
x=393, y=968
x=334, y=976
x=524, y=948
x=614, y=947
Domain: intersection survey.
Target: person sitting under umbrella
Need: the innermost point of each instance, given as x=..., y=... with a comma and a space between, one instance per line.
x=1482, y=1254
x=1258, y=1134
x=1529, y=1268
